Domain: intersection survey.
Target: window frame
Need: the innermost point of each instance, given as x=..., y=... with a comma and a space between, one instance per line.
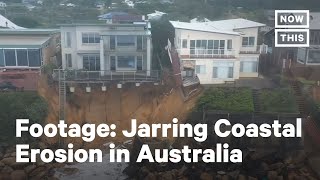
x=88, y=38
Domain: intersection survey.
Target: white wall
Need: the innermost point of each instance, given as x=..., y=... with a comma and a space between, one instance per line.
x=207, y=78
x=247, y=33
x=198, y=35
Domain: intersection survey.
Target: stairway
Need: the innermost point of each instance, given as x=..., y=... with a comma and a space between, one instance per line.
x=62, y=95
x=256, y=101
x=299, y=97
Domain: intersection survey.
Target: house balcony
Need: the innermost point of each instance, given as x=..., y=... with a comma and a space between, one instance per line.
x=208, y=54
x=260, y=49
x=105, y=76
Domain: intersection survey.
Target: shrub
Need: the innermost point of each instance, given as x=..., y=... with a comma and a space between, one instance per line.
x=19, y=105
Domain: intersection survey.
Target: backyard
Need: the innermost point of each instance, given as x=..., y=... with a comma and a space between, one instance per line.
x=227, y=99
x=280, y=100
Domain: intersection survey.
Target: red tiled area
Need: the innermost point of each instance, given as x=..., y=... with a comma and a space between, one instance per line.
x=28, y=80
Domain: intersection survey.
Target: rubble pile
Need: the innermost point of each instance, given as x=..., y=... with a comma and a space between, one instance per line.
x=267, y=163
x=11, y=170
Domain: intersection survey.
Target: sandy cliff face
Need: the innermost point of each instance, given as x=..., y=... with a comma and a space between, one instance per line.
x=147, y=104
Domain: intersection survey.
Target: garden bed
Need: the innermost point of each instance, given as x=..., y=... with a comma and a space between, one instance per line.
x=227, y=99
x=278, y=101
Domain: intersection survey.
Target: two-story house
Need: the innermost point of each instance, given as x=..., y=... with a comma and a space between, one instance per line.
x=311, y=55
x=219, y=51
x=23, y=52
x=121, y=43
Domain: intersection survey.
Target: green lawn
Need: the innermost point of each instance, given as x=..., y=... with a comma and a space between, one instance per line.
x=278, y=101
x=227, y=99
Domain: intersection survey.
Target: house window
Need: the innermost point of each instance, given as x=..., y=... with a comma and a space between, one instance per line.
x=91, y=62
x=314, y=57
x=229, y=44
x=139, y=42
x=34, y=58
x=112, y=63
x=68, y=39
x=184, y=43
x=249, y=66
x=10, y=57
x=1, y=58
x=22, y=57
x=126, y=62
x=69, y=60
x=90, y=38
x=200, y=69
x=222, y=70
x=125, y=40
x=139, y=63
x=112, y=42
x=248, y=41
x=192, y=46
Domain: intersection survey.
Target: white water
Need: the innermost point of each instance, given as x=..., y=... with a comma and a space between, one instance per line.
x=96, y=171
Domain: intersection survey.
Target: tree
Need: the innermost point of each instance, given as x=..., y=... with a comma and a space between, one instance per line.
x=25, y=21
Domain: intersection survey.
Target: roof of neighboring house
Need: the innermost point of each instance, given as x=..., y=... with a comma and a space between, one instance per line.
x=6, y=23
x=112, y=14
x=315, y=20
x=23, y=41
x=28, y=31
x=223, y=26
x=200, y=27
x=232, y=24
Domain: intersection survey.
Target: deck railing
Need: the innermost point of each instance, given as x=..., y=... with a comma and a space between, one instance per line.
x=106, y=75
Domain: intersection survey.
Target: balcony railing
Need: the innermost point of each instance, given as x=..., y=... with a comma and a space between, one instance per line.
x=261, y=49
x=106, y=75
x=208, y=53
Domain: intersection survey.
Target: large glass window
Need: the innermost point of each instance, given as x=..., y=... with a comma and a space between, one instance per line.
x=112, y=42
x=249, y=66
x=192, y=46
x=139, y=42
x=139, y=63
x=34, y=58
x=125, y=40
x=248, y=41
x=222, y=70
x=112, y=63
x=1, y=58
x=69, y=60
x=10, y=57
x=90, y=38
x=126, y=62
x=200, y=69
x=91, y=62
x=22, y=57
x=314, y=57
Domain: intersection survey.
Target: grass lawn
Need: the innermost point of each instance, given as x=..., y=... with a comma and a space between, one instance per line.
x=227, y=99
x=278, y=101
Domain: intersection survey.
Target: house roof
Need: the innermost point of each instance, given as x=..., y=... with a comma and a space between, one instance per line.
x=223, y=26
x=28, y=31
x=315, y=20
x=232, y=24
x=23, y=41
x=200, y=27
x=6, y=23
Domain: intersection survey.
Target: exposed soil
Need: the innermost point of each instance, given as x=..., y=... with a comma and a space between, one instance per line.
x=147, y=104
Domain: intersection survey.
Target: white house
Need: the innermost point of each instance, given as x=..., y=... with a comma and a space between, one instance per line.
x=219, y=51
x=123, y=44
